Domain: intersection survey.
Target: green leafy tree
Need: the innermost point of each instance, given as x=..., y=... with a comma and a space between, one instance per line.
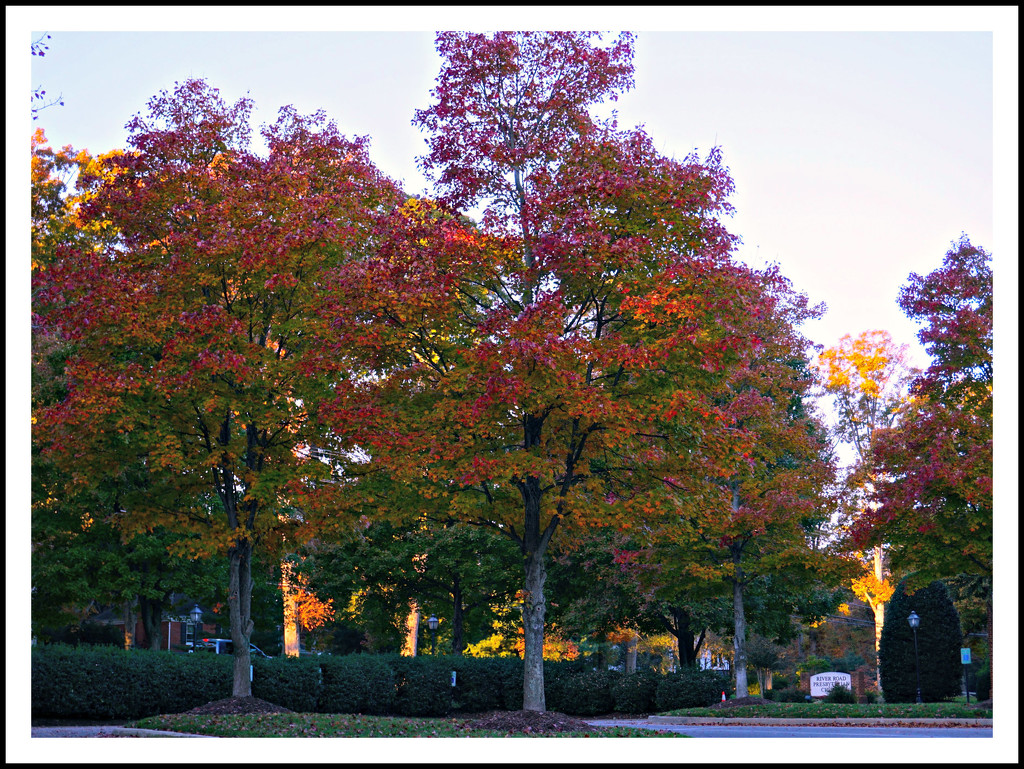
x=451, y=570
x=765, y=658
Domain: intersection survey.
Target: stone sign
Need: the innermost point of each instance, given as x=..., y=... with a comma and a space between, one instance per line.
x=822, y=683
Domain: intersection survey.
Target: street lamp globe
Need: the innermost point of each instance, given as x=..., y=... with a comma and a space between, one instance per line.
x=196, y=614
x=914, y=620
x=432, y=623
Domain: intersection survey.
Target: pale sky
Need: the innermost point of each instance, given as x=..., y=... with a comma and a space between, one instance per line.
x=858, y=156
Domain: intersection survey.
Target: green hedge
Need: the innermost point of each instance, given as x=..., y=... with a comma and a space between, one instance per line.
x=634, y=693
x=356, y=683
x=690, y=689
x=422, y=685
x=104, y=682
x=292, y=682
x=486, y=683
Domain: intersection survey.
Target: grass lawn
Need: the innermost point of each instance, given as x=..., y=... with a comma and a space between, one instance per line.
x=836, y=710
x=341, y=725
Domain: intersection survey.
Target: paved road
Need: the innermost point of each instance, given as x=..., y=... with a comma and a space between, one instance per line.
x=692, y=730
x=741, y=731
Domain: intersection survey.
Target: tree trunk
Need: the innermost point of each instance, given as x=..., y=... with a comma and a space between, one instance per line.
x=533, y=631
x=534, y=545
x=150, y=613
x=291, y=614
x=129, y=624
x=239, y=610
x=991, y=659
x=457, y=618
x=739, y=639
x=412, y=631
x=688, y=643
x=879, y=611
x=762, y=679
x=631, y=648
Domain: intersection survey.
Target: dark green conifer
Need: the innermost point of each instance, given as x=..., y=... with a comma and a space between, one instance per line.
x=938, y=645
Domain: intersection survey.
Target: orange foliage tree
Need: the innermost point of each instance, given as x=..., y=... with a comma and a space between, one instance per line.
x=867, y=377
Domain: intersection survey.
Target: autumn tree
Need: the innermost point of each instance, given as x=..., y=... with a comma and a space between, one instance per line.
x=933, y=498
x=867, y=377
x=759, y=505
x=545, y=367
x=197, y=334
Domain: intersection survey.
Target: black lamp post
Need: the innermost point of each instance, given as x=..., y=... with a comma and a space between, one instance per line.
x=196, y=614
x=914, y=621
x=432, y=623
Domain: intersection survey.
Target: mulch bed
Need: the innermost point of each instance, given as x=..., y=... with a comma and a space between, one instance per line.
x=739, y=702
x=234, y=706
x=529, y=722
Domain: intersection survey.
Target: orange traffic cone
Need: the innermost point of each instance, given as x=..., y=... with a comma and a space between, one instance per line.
x=723, y=696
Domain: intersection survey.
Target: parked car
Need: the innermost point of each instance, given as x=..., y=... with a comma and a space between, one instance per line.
x=226, y=646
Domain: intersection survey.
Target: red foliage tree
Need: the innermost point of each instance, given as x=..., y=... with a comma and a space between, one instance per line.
x=196, y=330
x=752, y=515
x=935, y=487
x=935, y=492
x=552, y=365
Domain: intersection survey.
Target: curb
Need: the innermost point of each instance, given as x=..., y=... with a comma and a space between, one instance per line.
x=821, y=721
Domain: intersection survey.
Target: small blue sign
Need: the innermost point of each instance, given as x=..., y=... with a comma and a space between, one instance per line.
x=965, y=656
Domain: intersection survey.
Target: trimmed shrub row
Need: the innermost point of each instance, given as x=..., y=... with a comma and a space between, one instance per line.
x=105, y=682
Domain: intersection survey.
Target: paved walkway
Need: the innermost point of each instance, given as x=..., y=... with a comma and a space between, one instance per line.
x=105, y=731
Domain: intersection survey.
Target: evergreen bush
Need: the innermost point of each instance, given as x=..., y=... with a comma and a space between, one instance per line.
x=690, y=689
x=422, y=685
x=983, y=684
x=938, y=646
x=104, y=682
x=634, y=692
x=841, y=695
x=558, y=684
x=788, y=695
x=356, y=683
x=291, y=682
x=486, y=683
x=587, y=693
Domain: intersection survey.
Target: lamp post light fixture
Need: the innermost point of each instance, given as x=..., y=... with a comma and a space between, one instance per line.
x=914, y=621
x=196, y=615
x=432, y=623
